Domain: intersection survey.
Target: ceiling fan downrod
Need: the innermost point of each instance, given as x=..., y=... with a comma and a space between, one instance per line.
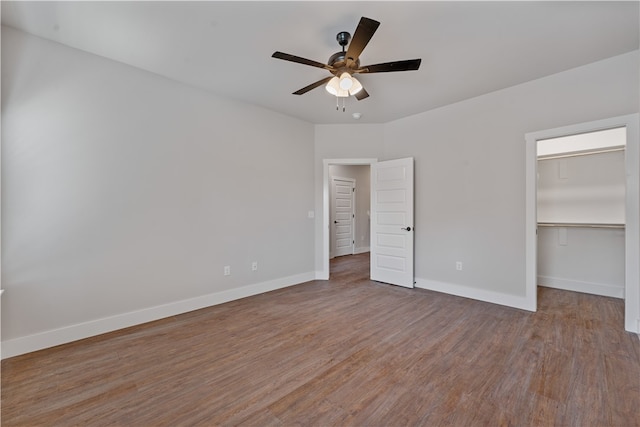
x=343, y=38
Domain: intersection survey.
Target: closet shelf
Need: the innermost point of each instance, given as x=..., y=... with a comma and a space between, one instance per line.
x=579, y=225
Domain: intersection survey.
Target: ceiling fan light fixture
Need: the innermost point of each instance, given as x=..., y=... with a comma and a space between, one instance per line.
x=333, y=87
x=336, y=87
x=356, y=87
x=346, y=81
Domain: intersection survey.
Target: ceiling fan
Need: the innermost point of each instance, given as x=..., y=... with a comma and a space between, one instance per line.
x=344, y=65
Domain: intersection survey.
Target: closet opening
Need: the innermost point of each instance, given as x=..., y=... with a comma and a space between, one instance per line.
x=581, y=212
x=582, y=206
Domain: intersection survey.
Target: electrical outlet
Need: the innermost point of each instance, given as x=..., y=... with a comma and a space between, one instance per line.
x=459, y=265
x=254, y=265
x=227, y=270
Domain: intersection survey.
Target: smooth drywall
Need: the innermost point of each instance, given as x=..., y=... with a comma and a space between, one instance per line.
x=123, y=191
x=582, y=189
x=589, y=260
x=470, y=171
x=362, y=175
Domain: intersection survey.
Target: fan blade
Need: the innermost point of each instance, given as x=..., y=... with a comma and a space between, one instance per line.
x=362, y=94
x=366, y=28
x=387, y=67
x=312, y=86
x=299, y=60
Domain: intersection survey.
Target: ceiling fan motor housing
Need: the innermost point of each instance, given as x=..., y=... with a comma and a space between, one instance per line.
x=338, y=62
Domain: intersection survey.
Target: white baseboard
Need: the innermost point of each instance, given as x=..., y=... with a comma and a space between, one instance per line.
x=322, y=275
x=27, y=344
x=514, y=301
x=579, y=286
x=361, y=250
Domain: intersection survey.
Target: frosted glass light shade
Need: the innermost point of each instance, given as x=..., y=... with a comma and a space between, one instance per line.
x=346, y=81
x=355, y=88
x=336, y=86
x=333, y=87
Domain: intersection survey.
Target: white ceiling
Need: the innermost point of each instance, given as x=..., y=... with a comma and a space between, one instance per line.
x=467, y=48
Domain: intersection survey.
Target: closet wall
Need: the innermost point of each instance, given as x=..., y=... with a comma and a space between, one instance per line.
x=581, y=216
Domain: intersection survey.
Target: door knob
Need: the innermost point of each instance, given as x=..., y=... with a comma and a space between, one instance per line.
x=407, y=229
x=335, y=222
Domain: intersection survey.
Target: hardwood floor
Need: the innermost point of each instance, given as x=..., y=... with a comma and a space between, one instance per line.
x=343, y=352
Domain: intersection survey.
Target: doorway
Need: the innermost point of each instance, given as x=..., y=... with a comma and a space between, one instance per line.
x=581, y=212
x=631, y=209
x=391, y=226
x=349, y=209
x=326, y=196
x=343, y=213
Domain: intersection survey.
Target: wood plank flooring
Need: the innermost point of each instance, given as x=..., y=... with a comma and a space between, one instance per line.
x=343, y=352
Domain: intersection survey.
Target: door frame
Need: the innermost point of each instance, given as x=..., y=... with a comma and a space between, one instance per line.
x=324, y=273
x=332, y=196
x=632, y=214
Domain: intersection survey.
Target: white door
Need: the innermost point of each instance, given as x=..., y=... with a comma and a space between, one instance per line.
x=392, y=222
x=342, y=221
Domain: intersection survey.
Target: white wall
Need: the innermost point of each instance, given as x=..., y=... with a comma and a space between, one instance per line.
x=587, y=260
x=362, y=175
x=582, y=189
x=124, y=194
x=470, y=171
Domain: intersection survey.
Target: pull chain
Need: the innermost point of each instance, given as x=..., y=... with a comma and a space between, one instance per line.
x=344, y=108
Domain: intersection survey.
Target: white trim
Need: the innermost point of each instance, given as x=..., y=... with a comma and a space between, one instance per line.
x=22, y=345
x=362, y=250
x=632, y=229
x=580, y=286
x=492, y=297
x=323, y=274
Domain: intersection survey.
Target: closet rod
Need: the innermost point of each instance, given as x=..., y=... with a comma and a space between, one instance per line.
x=579, y=225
